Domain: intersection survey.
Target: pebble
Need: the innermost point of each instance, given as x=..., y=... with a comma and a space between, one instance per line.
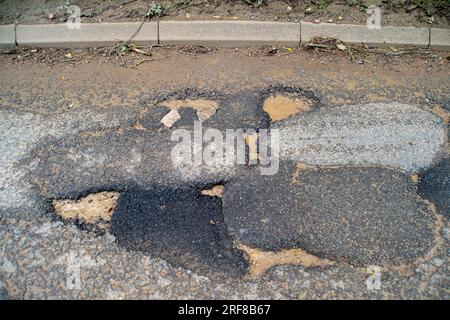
x=9, y=267
x=438, y=262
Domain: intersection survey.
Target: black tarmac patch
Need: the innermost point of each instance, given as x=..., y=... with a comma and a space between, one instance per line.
x=182, y=226
x=435, y=186
x=187, y=117
x=361, y=215
x=152, y=118
x=240, y=111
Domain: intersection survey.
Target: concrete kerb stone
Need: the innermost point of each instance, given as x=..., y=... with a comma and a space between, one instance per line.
x=229, y=33
x=89, y=34
x=218, y=34
x=440, y=39
x=8, y=36
x=386, y=36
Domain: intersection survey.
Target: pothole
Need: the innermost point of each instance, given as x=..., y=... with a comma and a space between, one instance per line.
x=95, y=209
x=205, y=108
x=190, y=104
x=182, y=226
x=282, y=106
x=261, y=261
x=282, y=102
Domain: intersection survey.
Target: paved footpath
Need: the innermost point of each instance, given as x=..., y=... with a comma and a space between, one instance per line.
x=363, y=178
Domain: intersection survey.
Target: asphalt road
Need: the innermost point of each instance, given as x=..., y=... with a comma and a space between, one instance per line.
x=363, y=177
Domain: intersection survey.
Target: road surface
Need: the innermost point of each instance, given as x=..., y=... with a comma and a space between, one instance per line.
x=361, y=182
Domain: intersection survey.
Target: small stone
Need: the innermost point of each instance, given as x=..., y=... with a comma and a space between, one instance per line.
x=170, y=118
x=437, y=262
x=340, y=18
x=309, y=10
x=316, y=20
x=44, y=229
x=9, y=267
x=51, y=16
x=164, y=282
x=289, y=8
x=188, y=16
x=341, y=47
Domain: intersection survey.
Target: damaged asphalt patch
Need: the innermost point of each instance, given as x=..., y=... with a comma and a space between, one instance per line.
x=302, y=215
x=364, y=215
x=393, y=134
x=113, y=160
x=39, y=253
x=20, y=132
x=181, y=226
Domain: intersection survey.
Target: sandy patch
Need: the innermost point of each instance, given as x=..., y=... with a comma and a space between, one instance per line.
x=261, y=261
x=94, y=208
x=205, y=108
x=280, y=107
